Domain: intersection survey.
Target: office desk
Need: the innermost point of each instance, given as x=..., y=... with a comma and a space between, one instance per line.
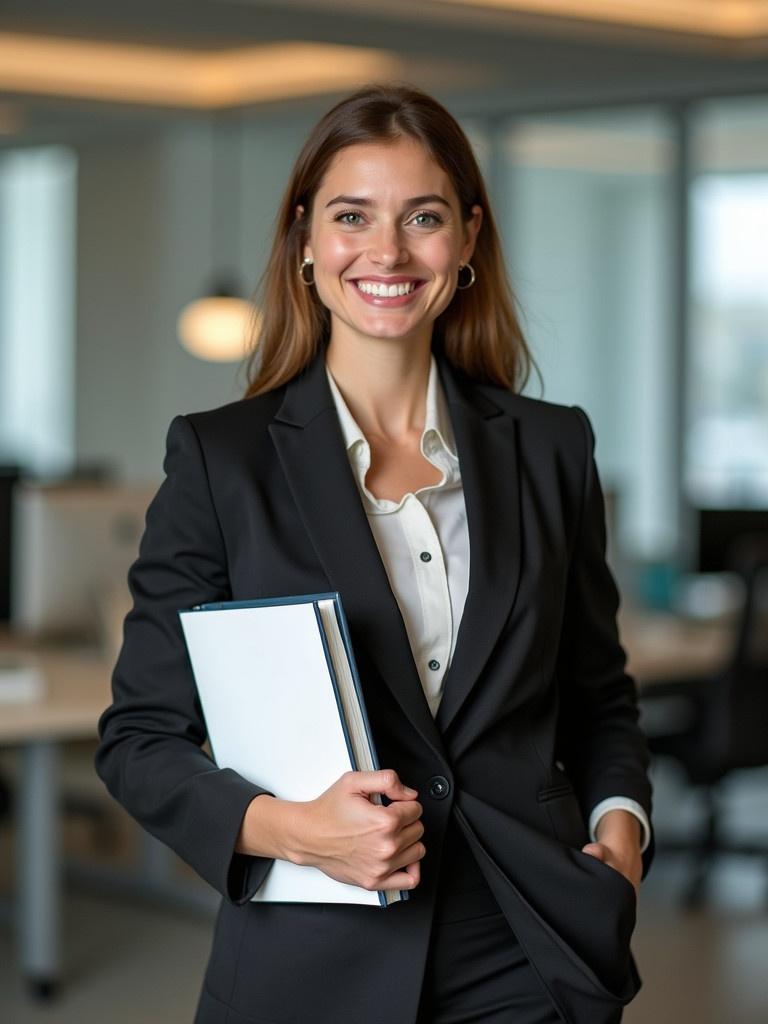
x=662, y=646
x=78, y=690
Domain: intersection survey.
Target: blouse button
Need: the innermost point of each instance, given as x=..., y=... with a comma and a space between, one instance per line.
x=425, y=556
x=434, y=665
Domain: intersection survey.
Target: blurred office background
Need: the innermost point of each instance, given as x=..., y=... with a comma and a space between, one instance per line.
x=143, y=153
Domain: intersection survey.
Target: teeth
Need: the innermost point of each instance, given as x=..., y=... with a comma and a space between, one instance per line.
x=386, y=291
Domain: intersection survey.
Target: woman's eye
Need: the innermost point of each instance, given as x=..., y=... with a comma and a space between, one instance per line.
x=432, y=218
x=348, y=213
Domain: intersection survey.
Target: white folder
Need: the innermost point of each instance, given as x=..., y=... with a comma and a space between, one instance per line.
x=283, y=707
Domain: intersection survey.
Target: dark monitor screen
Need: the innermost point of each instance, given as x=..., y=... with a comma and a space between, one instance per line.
x=8, y=477
x=720, y=529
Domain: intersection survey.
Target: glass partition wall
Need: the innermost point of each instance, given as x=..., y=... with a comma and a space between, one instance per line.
x=588, y=226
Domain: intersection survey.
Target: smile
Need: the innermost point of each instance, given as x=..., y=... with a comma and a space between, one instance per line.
x=386, y=290
x=386, y=295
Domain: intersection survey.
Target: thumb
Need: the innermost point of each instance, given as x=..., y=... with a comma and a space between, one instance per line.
x=385, y=781
x=594, y=850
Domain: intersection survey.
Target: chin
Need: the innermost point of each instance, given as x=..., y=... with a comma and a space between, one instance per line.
x=387, y=330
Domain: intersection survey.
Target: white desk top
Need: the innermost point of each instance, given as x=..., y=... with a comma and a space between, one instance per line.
x=662, y=646
x=77, y=690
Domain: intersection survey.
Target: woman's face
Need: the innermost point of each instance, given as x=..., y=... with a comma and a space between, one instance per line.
x=386, y=216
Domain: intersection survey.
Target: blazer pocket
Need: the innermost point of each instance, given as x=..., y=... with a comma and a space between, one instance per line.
x=552, y=792
x=564, y=814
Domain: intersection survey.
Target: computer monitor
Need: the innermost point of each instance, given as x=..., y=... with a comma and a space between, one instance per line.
x=73, y=544
x=9, y=476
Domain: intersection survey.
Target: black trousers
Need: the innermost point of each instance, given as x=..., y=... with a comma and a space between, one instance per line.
x=477, y=972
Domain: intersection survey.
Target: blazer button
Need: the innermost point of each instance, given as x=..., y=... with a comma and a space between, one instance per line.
x=439, y=787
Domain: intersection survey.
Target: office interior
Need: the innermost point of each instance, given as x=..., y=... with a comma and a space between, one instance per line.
x=143, y=153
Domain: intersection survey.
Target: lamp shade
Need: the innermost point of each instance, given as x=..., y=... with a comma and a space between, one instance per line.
x=215, y=328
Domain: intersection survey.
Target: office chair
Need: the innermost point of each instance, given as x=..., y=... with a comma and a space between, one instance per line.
x=6, y=800
x=724, y=726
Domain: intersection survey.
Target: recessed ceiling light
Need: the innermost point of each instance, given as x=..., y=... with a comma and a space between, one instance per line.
x=173, y=77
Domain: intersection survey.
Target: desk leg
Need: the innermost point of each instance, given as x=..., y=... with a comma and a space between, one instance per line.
x=37, y=868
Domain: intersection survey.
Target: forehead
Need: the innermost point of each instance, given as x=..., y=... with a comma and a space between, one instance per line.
x=382, y=168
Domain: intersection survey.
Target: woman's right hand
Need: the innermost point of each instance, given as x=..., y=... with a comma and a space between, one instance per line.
x=363, y=843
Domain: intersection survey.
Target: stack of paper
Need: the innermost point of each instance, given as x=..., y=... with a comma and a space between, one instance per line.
x=20, y=682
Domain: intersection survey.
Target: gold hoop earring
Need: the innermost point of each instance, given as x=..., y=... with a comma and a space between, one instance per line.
x=470, y=268
x=306, y=262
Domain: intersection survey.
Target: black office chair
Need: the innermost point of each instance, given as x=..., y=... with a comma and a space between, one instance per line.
x=718, y=724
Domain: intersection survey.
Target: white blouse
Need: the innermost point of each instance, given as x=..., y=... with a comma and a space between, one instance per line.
x=422, y=539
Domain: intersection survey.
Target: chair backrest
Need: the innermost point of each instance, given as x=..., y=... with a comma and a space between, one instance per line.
x=740, y=721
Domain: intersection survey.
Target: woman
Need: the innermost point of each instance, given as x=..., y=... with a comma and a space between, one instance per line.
x=383, y=450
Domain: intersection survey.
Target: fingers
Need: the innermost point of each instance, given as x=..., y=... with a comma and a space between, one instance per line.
x=405, y=814
x=411, y=854
x=410, y=834
x=596, y=850
x=396, y=829
x=408, y=878
x=407, y=873
x=600, y=851
x=385, y=781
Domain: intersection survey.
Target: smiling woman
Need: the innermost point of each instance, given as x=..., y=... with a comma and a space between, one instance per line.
x=382, y=451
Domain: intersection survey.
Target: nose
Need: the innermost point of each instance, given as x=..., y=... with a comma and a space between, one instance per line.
x=387, y=248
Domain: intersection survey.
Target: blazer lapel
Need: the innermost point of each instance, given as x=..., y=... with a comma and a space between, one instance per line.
x=307, y=435
x=486, y=442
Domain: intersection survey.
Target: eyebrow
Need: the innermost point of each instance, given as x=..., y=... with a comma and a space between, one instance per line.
x=432, y=197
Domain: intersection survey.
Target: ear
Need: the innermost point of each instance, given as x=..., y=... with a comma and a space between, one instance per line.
x=471, y=231
x=299, y=213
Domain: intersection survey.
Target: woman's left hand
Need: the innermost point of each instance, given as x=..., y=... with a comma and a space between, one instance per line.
x=618, y=845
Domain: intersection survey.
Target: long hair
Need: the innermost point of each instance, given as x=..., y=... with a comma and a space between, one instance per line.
x=479, y=331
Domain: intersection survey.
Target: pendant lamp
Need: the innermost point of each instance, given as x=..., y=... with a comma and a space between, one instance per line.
x=216, y=326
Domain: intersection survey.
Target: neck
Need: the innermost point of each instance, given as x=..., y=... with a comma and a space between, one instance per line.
x=384, y=383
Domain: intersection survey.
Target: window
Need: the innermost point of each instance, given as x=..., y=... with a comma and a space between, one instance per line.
x=37, y=285
x=726, y=441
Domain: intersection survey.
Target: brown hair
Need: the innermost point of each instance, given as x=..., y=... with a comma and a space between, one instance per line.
x=479, y=330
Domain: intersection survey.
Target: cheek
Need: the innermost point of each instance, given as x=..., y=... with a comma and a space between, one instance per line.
x=335, y=253
x=441, y=254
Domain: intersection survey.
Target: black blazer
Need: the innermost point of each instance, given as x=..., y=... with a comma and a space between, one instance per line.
x=538, y=721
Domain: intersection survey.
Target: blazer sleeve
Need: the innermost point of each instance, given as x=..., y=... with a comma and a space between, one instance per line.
x=149, y=754
x=599, y=738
